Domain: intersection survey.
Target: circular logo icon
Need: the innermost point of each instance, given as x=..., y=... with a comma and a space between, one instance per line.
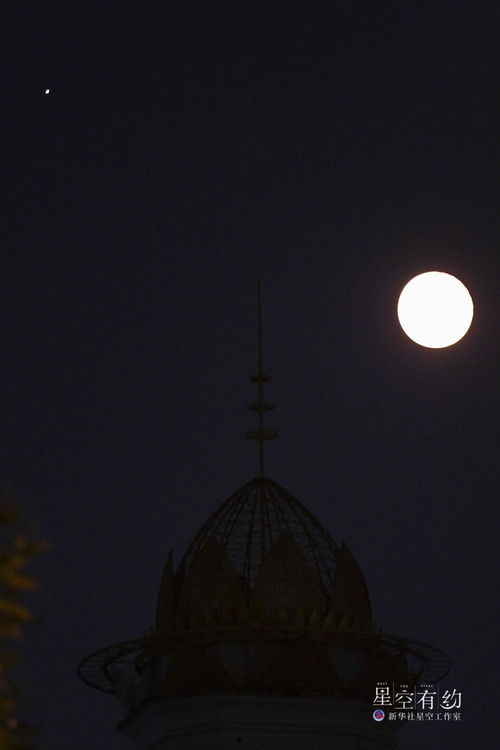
x=378, y=714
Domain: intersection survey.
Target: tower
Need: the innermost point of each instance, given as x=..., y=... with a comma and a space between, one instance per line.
x=263, y=636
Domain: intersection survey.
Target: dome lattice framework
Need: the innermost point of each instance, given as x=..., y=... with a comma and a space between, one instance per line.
x=249, y=524
x=263, y=600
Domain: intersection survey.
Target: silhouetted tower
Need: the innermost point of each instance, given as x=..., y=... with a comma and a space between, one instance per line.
x=263, y=638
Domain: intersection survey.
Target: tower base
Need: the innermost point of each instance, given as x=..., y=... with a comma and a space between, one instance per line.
x=256, y=722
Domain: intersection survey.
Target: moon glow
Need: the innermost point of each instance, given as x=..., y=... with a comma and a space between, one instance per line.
x=435, y=309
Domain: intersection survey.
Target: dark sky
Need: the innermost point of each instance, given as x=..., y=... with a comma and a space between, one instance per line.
x=340, y=149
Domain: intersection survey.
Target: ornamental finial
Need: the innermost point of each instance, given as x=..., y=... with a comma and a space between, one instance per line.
x=260, y=406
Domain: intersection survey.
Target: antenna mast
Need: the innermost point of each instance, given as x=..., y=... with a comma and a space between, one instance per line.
x=260, y=406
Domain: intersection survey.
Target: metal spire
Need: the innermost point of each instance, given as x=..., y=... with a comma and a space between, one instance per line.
x=260, y=406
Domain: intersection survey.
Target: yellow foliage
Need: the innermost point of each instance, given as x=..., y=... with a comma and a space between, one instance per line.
x=16, y=553
x=15, y=612
x=10, y=630
x=17, y=581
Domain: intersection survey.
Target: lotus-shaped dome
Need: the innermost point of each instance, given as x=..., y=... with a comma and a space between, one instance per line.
x=262, y=601
x=263, y=558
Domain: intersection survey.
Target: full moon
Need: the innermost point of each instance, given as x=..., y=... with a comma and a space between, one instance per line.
x=435, y=309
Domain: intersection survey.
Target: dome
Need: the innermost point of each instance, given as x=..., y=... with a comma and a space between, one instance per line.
x=263, y=601
x=250, y=523
x=262, y=558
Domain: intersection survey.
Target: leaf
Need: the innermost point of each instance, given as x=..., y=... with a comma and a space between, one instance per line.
x=10, y=630
x=17, y=581
x=15, y=612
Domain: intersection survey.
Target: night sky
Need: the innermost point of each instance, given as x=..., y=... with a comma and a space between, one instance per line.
x=337, y=149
